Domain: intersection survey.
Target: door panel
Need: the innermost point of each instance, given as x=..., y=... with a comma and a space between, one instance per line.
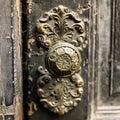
x=104, y=94
x=10, y=61
x=35, y=109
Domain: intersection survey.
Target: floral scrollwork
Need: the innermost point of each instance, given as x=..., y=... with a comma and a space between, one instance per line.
x=60, y=24
x=60, y=94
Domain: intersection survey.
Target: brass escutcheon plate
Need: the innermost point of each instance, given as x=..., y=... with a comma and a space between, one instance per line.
x=61, y=33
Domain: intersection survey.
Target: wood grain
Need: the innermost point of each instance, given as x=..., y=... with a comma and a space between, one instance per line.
x=10, y=61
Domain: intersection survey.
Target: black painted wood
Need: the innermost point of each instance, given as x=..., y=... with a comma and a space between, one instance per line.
x=35, y=110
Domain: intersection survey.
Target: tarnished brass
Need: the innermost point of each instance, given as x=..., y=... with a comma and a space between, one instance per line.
x=61, y=32
x=63, y=59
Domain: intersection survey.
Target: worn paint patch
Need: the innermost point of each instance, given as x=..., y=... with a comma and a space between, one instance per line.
x=32, y=108
x=86, y=7
x=30, y=78
x=29, y=92
x=29, y=6
x=30, y=41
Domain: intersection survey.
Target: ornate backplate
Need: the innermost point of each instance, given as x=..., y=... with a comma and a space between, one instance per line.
x=61, y=34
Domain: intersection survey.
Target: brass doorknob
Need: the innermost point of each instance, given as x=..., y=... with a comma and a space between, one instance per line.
x=63, y=59
x=61, y=32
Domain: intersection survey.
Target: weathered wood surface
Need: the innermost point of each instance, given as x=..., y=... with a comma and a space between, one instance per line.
x=10, y=61
x=104, y=55
x=116, y=49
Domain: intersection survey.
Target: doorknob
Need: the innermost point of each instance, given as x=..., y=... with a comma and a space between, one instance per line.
x=61, y=33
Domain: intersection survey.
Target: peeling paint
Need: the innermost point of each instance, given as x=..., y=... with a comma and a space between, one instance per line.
x=32, y=108
x=30, y=78
x=29, y=55
x=29, y=7
x=29, y=92
x=30, y=41
x=81, y=9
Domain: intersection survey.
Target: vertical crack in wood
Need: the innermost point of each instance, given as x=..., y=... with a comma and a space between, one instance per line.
x=112, y=45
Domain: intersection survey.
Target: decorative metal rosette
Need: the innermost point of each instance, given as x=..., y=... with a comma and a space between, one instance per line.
x=64, y=59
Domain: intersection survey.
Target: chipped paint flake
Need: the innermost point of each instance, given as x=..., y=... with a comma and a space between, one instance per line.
x=29, y=8
x=30, y=41
x=30, y=78
x=32, y=108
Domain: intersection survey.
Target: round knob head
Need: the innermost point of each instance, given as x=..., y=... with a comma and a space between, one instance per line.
x=63, y=59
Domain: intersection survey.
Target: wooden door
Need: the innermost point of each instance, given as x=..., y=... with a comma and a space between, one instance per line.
x=22, y=54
